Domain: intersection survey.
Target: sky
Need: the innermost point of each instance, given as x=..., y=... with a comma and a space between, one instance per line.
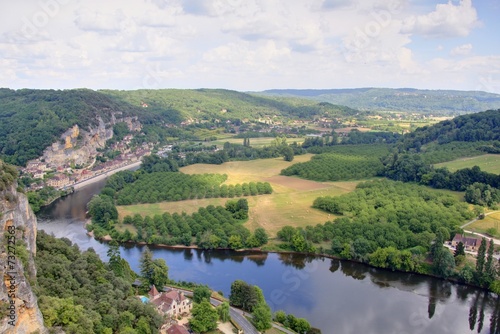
x=250, y=45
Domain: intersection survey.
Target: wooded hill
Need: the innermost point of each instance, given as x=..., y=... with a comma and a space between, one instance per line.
x=402, y=99
x=31, y=120
x=483, y=126
x=227, y=104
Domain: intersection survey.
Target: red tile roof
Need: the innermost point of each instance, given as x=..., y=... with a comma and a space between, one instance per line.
x=177, y=329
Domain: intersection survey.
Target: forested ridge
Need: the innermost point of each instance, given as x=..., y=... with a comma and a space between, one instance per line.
x=483, y=126
x=467, y=135
x=31, y=120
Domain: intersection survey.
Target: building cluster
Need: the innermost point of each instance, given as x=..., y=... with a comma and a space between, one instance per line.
x=65, y=175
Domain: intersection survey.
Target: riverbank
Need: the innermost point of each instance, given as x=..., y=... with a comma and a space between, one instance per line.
x=102, y=176
x=260, y=251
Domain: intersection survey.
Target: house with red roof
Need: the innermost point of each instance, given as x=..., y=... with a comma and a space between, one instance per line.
x=471, y=244
x=171, y=302
x=177, y=329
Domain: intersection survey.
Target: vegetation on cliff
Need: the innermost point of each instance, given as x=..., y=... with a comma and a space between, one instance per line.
x=79, y=293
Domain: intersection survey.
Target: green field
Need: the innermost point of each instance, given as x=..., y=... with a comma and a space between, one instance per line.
x=290, y=204
x=482, y=225
x=254, y=142
x=489, y=163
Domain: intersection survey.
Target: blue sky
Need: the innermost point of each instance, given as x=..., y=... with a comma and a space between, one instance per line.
x=250, y=45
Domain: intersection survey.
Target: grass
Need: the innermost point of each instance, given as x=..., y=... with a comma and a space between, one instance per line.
x=489, y=163
x=290, y=203
x=273, y=331
x=482, y=225
x=254, y=142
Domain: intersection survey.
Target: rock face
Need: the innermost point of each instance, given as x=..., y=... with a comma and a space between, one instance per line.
x=18, y=304
x=78, y=146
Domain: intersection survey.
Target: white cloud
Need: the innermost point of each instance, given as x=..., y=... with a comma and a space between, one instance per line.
x=447, y=20
x=242, y=44
x=461, y=50
x=92, y=20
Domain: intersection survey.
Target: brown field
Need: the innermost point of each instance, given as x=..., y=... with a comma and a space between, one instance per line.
x=290, y=203
x=295, y=183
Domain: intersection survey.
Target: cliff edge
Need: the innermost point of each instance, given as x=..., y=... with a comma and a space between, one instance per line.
x=19, y=312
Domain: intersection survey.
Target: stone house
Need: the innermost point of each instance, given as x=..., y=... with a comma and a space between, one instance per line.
x=471, y=244
x=171, y=302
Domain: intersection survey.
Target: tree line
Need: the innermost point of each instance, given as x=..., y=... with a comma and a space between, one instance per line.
x=208, y=228
x=412, y=168
x=352, y=162
x=176, y=186
x=385, y=223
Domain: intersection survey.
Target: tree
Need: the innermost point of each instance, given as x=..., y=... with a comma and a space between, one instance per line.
x=154, y=272
x=460, y=250
x=243, y=295
x=146, y=264
x=490, y=270
x=115, y=260
x=287, y=152
x=159, y=275
x=261, y=235
x=103, y=210
x=223, y=310
x=204, y=317
x=302, y=326
x=201, y=293
x=481, y=252
x=280, y=316
x=444, y=263
x=262, y=316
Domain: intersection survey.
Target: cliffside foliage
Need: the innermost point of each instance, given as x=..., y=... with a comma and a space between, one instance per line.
x=79, y=293
x=8, y=174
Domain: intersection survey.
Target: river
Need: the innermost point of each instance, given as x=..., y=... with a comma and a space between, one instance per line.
x=335, y=296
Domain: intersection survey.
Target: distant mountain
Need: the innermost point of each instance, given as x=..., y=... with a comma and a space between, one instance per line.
x=448, y=102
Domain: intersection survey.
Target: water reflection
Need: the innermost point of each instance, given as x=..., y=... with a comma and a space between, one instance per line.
x=354, y=270
x=336, y=296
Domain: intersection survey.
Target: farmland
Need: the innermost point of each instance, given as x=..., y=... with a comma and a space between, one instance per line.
x=488, y=163
x=290, y=203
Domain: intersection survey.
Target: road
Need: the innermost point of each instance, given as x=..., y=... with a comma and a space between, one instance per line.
x=476, y=219
x=236, y=315
x=99, y=177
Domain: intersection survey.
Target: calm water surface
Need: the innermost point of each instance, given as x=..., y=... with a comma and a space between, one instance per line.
x=335, y=296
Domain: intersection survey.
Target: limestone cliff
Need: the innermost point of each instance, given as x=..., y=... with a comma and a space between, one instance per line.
x=18, y=304
x=79, y=146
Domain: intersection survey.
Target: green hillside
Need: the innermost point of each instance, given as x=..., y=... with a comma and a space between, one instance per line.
x=402, y=99
x=483, y=126
x=226, y=104
x=31, y=120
